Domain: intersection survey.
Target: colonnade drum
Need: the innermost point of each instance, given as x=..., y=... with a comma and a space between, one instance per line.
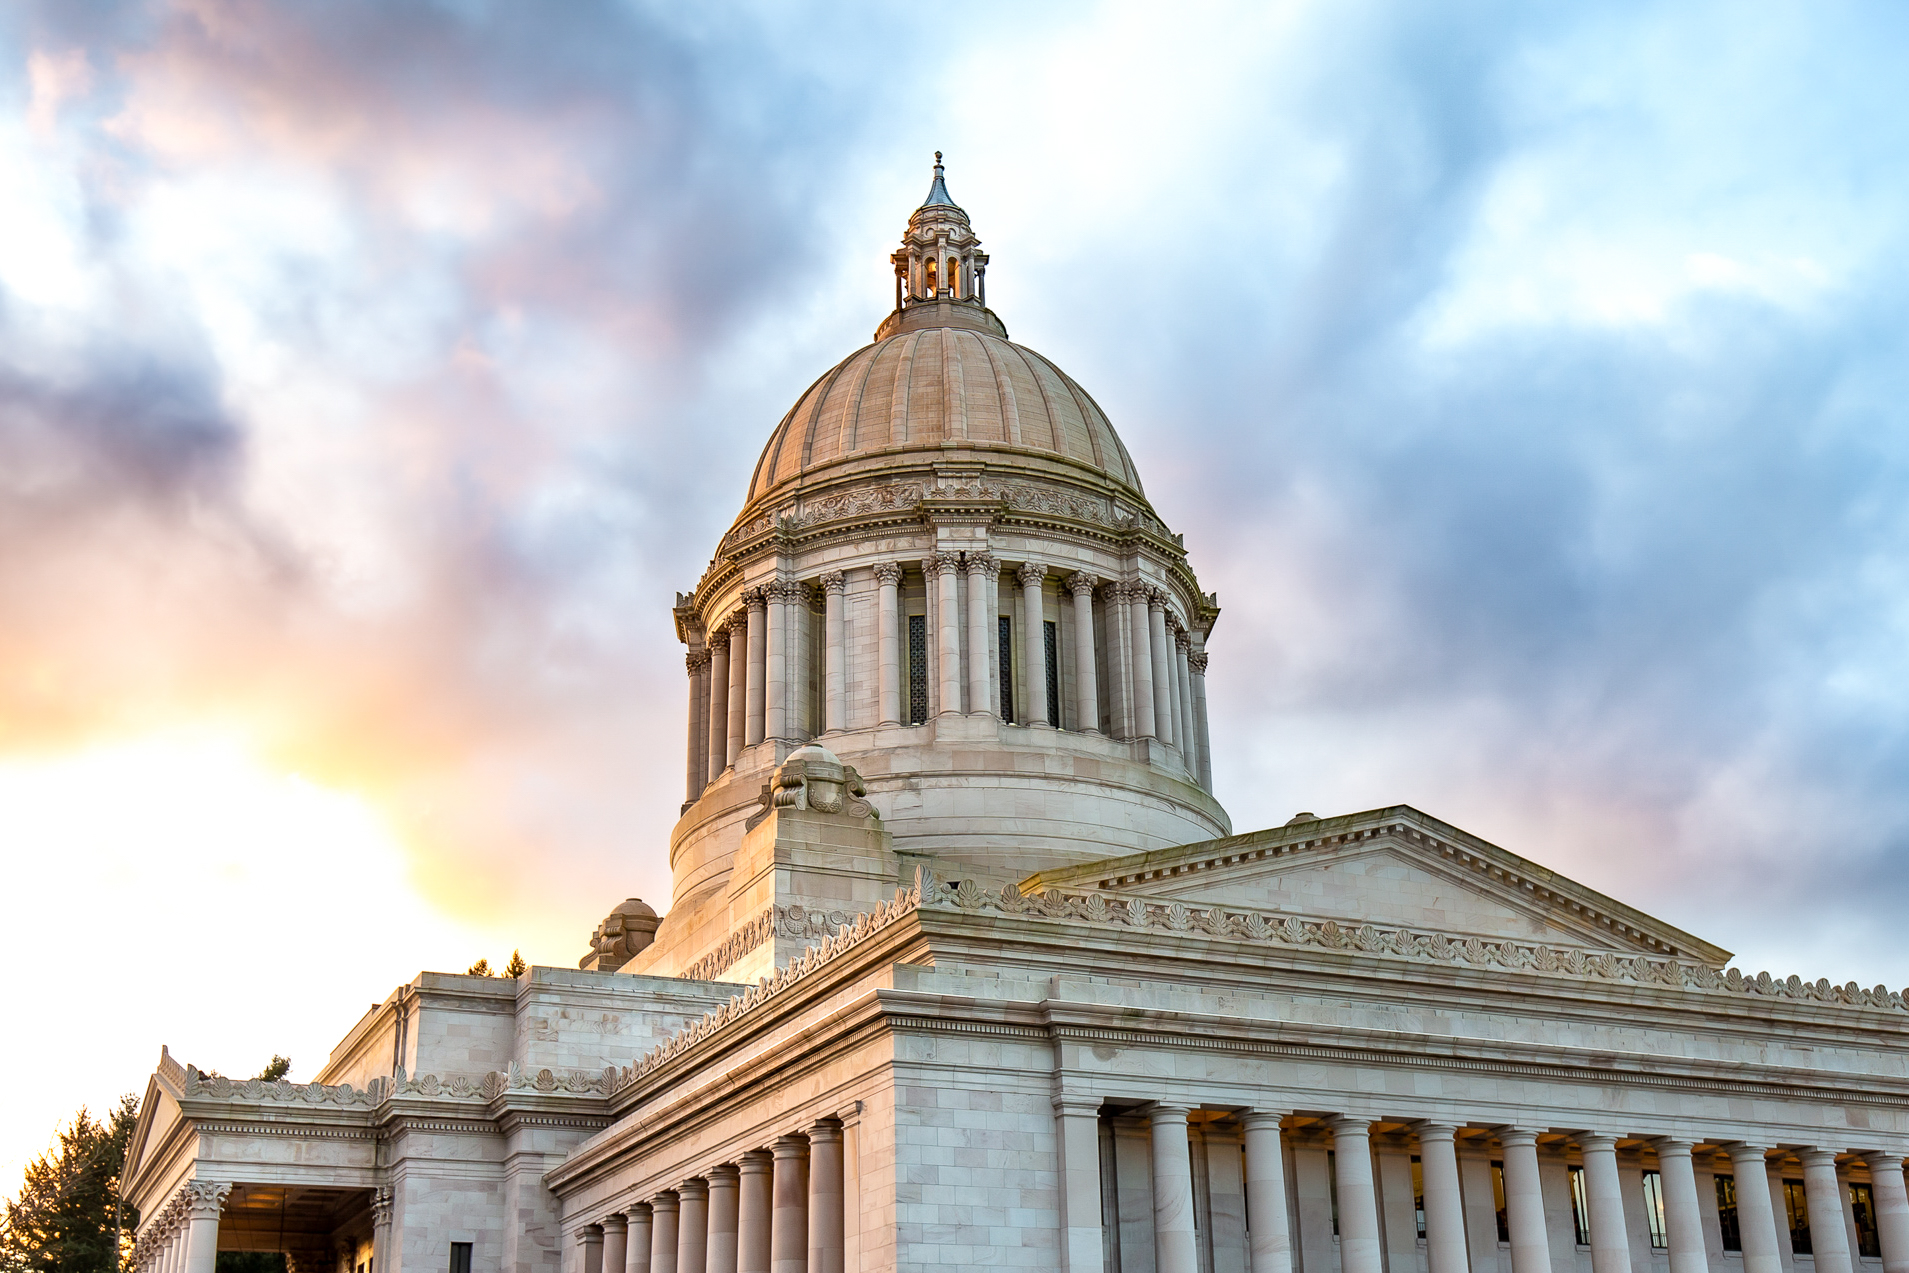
x=956, y=641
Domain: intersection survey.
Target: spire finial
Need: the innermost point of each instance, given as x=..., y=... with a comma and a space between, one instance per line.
x=938, y=190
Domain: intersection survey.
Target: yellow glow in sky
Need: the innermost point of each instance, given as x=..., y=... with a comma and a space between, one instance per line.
x=178, y=890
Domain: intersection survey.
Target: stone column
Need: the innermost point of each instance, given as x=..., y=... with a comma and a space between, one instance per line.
x=738, y=686
x=697, y=751
x=616, y=1242
x=717, y=752
x=755, y=1202
x=1174, y=1248
x=982, y=571
x=590, y=1243
x=756, y=678
x=663, y=1233
x=1763, y=1240
x=941, y=569
x=1269, y=1234
x=381, y=1207
x=1077, y=1133
x=835, y=656
x=826, y=1243
x=1829, y=1238
x=1157, y=665
x=888, y=643
x=1683, y=1221
x=1189, y=736
x=722, y=1219
x=1140, y=647
x=1086, y=680
x=1444, y=1201
x=1033, y=577
x=789, y=1223
x=1176, y=704
x=775, y=702
x=692, y=1226
x=1115, y=636
x=205, y=1200
x=1196, y=665
x=1604, y=1195
x=1892, y=1209
x=636, y=1245
x=1359, y=1250
x=1524, y=1202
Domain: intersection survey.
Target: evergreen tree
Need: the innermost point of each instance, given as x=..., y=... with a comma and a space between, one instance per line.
x=482, y=968
x=277, y=1068
x=516, y=967
x=65, y=1217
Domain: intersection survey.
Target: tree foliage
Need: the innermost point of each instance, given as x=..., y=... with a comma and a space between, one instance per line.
x=482, y=968
x=516, y=967
x=277, y=1068
x=66, y=1216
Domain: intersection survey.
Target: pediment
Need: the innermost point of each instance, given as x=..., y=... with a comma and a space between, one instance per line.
x=159, y=1112
x=1390, y=867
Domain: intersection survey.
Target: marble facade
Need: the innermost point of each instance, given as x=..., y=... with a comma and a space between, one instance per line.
x=964, y=966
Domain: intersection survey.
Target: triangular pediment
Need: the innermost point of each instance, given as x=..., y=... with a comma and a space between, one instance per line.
x=1390, y=867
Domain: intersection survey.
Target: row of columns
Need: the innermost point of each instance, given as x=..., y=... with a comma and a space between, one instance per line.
x=183, y=1236
x=1762, y=1231
x=779, y=1210
x=747, y=683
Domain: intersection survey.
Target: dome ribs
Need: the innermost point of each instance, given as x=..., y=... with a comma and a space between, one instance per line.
x=1004, y=394
x=814, y=423
x=852, y=418
x=983, y=411
x=902, y=392
x=926, y=391
x=1055, y=439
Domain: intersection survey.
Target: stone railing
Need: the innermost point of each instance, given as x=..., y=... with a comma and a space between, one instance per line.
x=475, y=1087
x=780, y=921
x=1260, y=928
x=1426, y=947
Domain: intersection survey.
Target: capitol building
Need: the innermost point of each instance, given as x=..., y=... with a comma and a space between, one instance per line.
x=965, y=966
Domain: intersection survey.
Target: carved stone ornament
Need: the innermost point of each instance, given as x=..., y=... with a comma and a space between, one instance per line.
x=382, y=1205
x=888, y=572
x=1031, y=573
x=813, y=779
x=984, y=565
x=204, y=1198
x=1082, y=582
x=834, y=582
x=1197, y=662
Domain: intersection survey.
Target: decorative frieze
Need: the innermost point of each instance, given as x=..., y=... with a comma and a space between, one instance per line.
x=795, y=921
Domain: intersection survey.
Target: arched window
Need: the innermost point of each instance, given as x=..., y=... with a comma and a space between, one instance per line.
x=932, y=287
x=954, y=278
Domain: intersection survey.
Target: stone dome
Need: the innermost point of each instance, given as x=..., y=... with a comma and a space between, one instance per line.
x=935, y=379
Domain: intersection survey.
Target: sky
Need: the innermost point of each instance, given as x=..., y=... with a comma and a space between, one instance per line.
x=1530, y=383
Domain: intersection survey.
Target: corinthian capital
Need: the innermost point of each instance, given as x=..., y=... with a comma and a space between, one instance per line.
x=834, y=582
x=696, y=661
x=888, y=572
x=936, y=565
x=755, y=598
x=983, y=564
x=1031, y=574
x=1081, y=582
x=382, y=1204
x=204, y=1198
x=1197, y=664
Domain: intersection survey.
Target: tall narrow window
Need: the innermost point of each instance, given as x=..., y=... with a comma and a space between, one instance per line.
x=917, y=668
x=1498, y=1200
x=1580, y=1207
x=1727, y=1213
x=1797, y=1208
x=1005, y=640
x=1654, y=1209
x=954, y=290
x=460, y=1257
x=1862, y=1210
x=932, y=285
x=1051, y=651
x=1418, y=1195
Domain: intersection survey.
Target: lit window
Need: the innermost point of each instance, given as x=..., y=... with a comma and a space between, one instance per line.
x=1727, y=1213
x=1654, y=1208
x=954, y=279
x=1862, y=1210
x=932, y=287
x=1797, y=1207
x=1580, y=1207
x=1418, y=1195
x=1498, y=1200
